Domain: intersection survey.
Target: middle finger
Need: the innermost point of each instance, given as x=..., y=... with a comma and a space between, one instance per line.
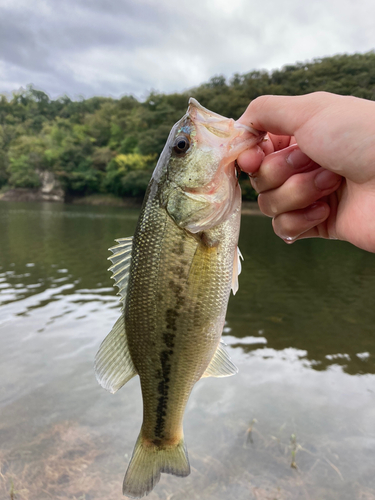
x=277, y=167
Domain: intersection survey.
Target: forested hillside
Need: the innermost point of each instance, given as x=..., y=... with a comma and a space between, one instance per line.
x=104, y=145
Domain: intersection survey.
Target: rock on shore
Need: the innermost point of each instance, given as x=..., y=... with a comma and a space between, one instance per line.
x=50, y=190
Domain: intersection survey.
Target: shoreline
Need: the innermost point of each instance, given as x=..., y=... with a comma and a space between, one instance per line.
x=33, y=195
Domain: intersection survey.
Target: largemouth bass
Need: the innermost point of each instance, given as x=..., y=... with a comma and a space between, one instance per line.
x=174, y=278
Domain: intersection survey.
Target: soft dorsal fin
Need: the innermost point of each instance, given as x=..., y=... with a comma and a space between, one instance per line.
x=121, y=259
x=113, y=364
x=236, y=269
x=221, y=365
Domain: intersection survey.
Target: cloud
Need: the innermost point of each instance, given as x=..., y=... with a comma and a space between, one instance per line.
x=97, y=47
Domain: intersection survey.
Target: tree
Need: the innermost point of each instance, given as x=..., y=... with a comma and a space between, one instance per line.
x=111, y=145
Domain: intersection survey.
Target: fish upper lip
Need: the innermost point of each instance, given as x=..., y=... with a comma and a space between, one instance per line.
x=216, y=118
x=193, y=103
x=254, y=131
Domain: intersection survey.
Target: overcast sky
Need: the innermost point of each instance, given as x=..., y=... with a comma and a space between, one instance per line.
x=117, y=47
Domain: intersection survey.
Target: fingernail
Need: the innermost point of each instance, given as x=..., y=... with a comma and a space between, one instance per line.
x=326, y=180
x=297, y=159
x=317, y=211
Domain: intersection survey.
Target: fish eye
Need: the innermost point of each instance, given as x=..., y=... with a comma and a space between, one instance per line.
x=181, y=145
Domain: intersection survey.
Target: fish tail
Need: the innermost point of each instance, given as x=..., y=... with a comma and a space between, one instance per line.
x=149, y=461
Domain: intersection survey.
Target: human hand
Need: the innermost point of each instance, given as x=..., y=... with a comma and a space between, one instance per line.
x=325, y=186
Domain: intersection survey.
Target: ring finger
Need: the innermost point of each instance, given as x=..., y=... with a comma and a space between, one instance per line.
x=298, y=192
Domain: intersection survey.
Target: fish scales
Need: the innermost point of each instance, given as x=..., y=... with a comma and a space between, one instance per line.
x=174, y=317
x=174, y=278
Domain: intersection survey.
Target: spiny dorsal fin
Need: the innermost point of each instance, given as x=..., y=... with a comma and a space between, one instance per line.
x=221, y=364
x=236, y=269
x=120, y=259
x=113, y=364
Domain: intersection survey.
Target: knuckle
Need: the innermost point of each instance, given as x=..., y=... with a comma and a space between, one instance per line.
x=268, y=175
x=302, y=191
x=285, y=227
x=297, y=183
x=321, y=96
x=254, y=181
x=257, y=104
x=322, y=93
x=291, y=225
x=264, y=205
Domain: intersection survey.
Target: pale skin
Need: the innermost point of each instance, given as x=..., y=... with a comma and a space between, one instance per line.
x=325, y=186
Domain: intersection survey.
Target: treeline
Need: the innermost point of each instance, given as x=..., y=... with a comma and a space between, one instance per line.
x=105, y=145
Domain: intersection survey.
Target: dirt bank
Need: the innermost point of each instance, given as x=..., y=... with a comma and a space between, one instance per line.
x=37, y=195
x=23, y=194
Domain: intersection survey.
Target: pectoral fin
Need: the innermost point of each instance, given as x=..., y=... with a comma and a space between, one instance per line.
x=221, y=364
x=236, y=270
x=113, y=364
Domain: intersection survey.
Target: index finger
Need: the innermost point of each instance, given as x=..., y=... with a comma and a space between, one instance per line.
x=284, y=115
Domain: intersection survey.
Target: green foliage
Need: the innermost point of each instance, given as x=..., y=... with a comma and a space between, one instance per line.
x=128, y=145
x=86, y=181
x=105, y=145
x=135, y=183
x=4, y=174
x=129, y=174
x=22, y=174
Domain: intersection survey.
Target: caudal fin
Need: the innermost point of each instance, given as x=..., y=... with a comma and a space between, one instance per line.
x=148, y=462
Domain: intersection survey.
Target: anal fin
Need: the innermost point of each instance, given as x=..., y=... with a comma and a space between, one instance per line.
x=113, y=364
x=221, y=365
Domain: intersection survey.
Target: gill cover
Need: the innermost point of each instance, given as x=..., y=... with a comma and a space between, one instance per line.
x=202, y=185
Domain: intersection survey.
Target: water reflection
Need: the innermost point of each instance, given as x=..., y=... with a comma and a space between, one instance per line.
x=314, y=295
x=300, y=329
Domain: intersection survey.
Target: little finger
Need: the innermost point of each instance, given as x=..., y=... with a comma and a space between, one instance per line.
x=290, y=226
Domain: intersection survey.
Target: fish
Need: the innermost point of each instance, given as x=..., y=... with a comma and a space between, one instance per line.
x=174, y=278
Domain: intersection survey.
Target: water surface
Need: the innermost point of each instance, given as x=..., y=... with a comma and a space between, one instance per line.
x=300, y=329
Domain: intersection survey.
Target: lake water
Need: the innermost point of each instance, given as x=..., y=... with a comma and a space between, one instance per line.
x=300, y=329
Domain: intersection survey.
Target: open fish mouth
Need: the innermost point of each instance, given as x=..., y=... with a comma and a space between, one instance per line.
x=214, y=131
x=217, y=124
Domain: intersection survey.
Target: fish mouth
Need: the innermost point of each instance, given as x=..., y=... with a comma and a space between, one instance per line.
x=217, y=124
x=223, y=135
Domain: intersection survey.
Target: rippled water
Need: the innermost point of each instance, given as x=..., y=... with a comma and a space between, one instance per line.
x=300, y=329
